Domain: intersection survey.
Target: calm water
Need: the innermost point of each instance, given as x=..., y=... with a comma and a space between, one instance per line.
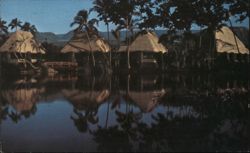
x=171, y=112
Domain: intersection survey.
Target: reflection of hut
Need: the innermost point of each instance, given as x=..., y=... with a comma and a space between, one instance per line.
x=22, y=99
x=146, y=100
x=81, y=46
x=144, y=50
x=81, y=99
x=21, y=48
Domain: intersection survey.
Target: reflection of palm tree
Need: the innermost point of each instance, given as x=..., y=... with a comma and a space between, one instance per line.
x=127, y=119
x=3, y=113
x=27, y=113
x=120, y=137
x=81, y=19
x=82, y=119
x=15, y=23
x=15, y=117
x=112, y=139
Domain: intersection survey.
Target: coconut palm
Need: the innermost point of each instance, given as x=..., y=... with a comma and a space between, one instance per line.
x=85, y=25
x=3, y=31
x=116, y=34
x=28, y=27
x=15, y=23
x=3, y=27
x=123, y=14
x=102, y=7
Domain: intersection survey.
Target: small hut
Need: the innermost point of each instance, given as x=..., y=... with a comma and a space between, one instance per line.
x=145, y=50
x=228, y=42
x=21, y=48
x=83, y=47
x=229, y=47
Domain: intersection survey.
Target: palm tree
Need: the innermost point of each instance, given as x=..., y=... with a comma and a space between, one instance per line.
x=3, y=27
x=3, y=31
x=81, y=19
x=28, y=27
x=116, y=35
x=15, y=23
x=102, y=7
x=123, y=14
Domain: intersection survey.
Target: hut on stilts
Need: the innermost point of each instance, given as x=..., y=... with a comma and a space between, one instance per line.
x=89, y=52
x=215, y=49
x=229, y=49
x=21, y=51
x=146, y=53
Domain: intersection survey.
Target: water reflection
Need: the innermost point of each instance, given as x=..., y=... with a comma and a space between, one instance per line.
x=177, y=112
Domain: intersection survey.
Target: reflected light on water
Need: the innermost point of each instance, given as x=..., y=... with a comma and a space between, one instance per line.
x=125, y=113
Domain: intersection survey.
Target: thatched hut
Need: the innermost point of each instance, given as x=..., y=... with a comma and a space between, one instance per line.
x=145, y=50
x=21, y=48
x=229, y=48
x=84, y=48
x=228, y=42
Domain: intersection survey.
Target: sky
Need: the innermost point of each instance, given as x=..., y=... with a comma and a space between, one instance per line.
x=53, y=15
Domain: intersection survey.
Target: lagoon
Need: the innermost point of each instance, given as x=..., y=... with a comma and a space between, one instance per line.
x=157, y=112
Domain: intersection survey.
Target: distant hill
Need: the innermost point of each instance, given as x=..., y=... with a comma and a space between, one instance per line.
x=46, y=36
x=62, y=39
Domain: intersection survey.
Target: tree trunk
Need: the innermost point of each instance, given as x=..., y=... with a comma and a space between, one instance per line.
x=0, y=66
x=92, y=54
x=236, y=43
x=162, y=62
x=210, y=53
x=128, y=47
x=141, y=59
x=110, y=54
x=200, y=39
x=107, y=116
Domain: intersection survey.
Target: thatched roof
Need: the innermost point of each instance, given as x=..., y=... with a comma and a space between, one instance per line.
x=146, y=100
x=80, y=43
x=22, y=42
x=147, y=42
x=225, y=42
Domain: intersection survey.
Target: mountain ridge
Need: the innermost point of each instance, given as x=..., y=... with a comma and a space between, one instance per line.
x=62, y=39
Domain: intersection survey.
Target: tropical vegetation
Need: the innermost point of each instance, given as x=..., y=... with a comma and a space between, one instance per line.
x=175, y=17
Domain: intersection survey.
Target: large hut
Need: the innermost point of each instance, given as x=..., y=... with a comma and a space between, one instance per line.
x=86, y=49
x=20, y=44
x=21, y=49
x=145, y=51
